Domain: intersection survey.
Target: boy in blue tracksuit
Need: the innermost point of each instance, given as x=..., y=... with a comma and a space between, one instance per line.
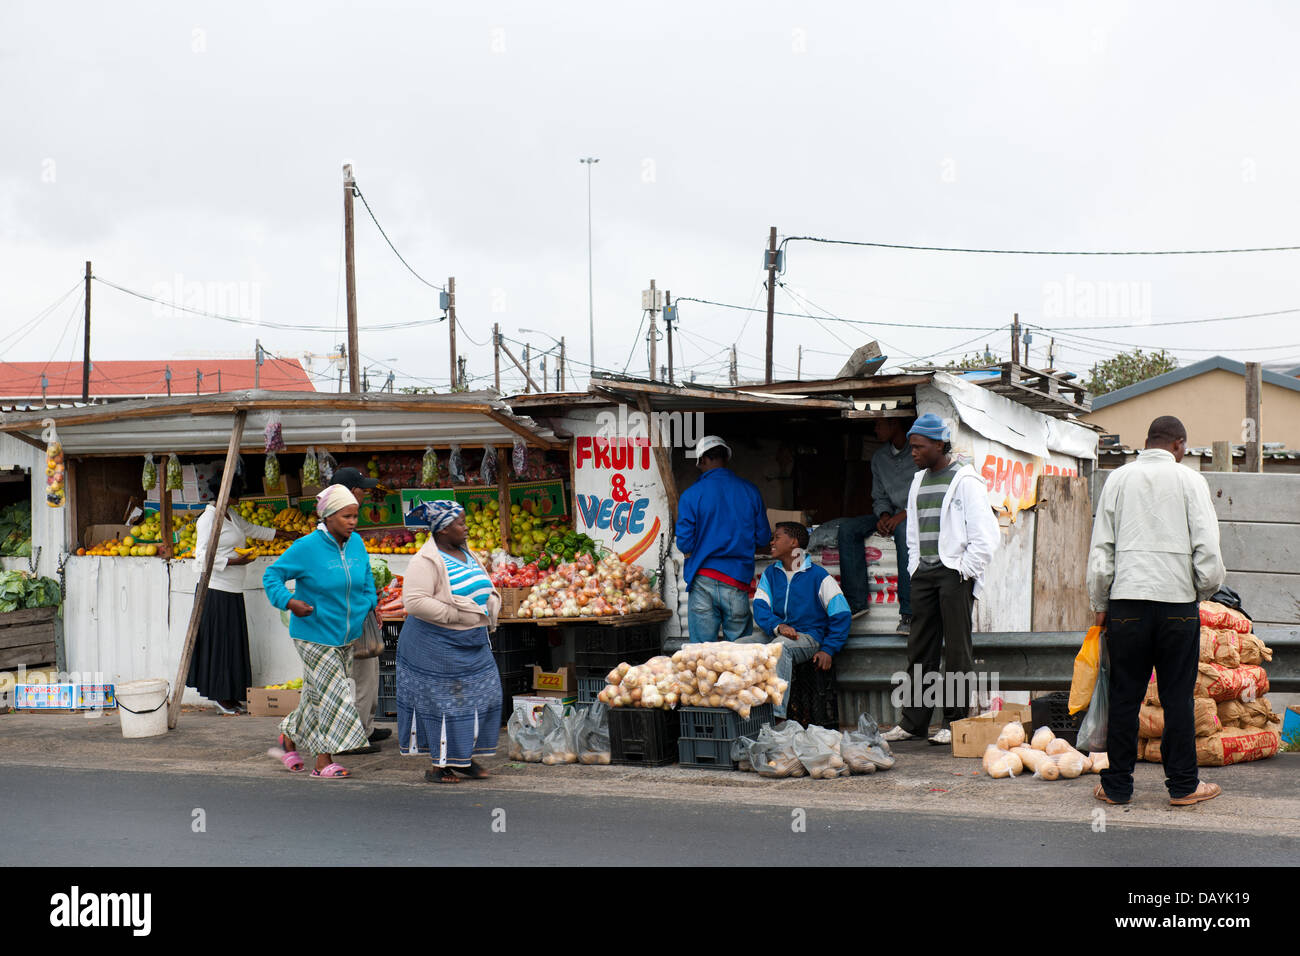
x=799, y=604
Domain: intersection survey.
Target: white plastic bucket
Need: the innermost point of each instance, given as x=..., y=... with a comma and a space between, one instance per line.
x=143, y=707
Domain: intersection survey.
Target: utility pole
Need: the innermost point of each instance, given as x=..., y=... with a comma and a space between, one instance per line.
x=1254, y=385
x=562, y=363
x=496, y=355
x=798, y=371
x=85, y=352
x=451, y=327
x=653, y=332
x=771, y=297
x=545, y=382
x=257, y=364
x=1051, y=353
x=198, y=382
x=343, y=354
x=732, y=374
x=1015, y=339
x=218, y=381
x=167, y=375
x=669, y=315
x=354, y=346
x=528, y=370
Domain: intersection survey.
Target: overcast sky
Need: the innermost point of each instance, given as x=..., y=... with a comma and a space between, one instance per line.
x=196, y=148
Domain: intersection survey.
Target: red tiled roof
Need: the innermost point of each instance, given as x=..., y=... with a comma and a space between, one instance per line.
x=112, y=379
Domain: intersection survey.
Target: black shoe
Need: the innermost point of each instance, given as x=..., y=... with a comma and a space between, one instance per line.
x=904, y=624
x=368, y=749
x=382, y=734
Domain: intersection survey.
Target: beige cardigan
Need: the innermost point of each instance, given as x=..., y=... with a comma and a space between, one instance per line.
x=426, y=591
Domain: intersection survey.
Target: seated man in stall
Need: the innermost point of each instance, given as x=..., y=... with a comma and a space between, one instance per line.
x=799, y=604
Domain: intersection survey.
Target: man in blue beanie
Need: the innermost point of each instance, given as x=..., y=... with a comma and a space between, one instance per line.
x=950, y=541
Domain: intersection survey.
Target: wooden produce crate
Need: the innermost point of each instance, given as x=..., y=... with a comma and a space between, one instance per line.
x=27, y=637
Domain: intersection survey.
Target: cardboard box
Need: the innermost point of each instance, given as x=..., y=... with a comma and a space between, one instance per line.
x=972, y=736
x=775, y=516
x=511, y=598
x=562, y=683
x=263, y=702
x=44, y=696
x=308, y=490
x=98, y=533
x=290, y=485
x=532, y=706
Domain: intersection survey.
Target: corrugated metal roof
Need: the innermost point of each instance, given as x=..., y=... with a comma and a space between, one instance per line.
x=21, y=381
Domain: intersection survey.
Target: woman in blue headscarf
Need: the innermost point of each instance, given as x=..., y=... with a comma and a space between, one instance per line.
x=448, y=688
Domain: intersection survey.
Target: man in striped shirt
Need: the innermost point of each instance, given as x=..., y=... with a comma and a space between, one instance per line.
x=951, y=538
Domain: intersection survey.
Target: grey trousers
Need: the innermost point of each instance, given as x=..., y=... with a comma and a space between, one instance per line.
x=366, y=674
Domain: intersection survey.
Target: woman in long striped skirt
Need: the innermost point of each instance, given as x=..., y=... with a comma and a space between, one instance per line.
x=448, y=688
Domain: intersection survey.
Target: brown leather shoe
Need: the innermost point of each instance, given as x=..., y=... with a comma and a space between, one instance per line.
x=1204, y=791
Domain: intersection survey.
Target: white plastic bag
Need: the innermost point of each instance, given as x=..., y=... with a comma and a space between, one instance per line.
x=525, y=740
x=593, y=735
x=864, y=749
x=818, y=749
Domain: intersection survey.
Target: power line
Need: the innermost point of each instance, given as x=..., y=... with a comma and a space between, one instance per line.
x=1143, y=325
x=1039, y=252
x=25, y=328
x=357, y=192
x=804, y=315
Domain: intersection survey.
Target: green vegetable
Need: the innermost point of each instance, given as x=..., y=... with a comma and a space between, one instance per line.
x=383, y=576
x=16, y=530
x=19, y=590
x=543, y=561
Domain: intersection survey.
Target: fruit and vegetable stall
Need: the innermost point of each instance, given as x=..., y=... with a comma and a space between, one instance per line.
x=116, y=492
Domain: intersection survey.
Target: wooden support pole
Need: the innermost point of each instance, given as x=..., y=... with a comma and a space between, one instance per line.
x=664, y=461
x=510, y=355
x=164, y=515
x=496, y=355
x=528, y=369
x=1015, y=339
x=1254, y=426
x=85, y=352
x=1222, y=460
x=201, y=592
x=503, y=494
x=561, y=363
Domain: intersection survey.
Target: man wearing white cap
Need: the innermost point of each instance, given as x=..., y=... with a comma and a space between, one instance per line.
x=721, y=525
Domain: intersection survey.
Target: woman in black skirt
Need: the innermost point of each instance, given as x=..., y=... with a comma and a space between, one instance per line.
x=220, y=669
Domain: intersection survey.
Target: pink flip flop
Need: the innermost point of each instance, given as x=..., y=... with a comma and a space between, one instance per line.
x=292, y=762
x=333, y=770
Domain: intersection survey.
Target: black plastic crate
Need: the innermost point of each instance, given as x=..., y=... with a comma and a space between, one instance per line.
x=589, y=688
x=812, y=697
x=392, y=631
x=706, y=754
x=722, y=723
x=1053, y=712
x=642, y=737
x=514, y=637
x=512, y=684
x=386, y=705
x=608, y=639
x=600, y=663
x=510, y=662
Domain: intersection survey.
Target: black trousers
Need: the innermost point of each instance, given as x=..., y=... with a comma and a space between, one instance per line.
x=1141, y=636
x=942, y=605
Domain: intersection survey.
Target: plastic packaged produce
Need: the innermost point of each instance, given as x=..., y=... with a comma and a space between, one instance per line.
x=725, y=674
x=865, y=749
x=592, y=735
x=1012, y=735
x=1001, y=763
x=149, y=477
x=524, y=741
x=487, y=470
x=456, y=465
x=651, y=685
x=311, y=468
x=1100, y=762
x=818, y=749
x=327, y=467
x=1042, y=766
x=272, y=471
x=429, y=468
x=519, y=458
x=1070, y=762
x=1042, y=737
x=1056, y=746
x=175, y=477
x=772, y=753
x=274, y=433
x=558, y=738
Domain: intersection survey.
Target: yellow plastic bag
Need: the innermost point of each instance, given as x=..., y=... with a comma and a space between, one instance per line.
x=1086, y=664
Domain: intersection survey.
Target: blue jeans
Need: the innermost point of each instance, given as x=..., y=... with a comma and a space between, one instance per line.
x=713, y=604
x=798, y=649
x=853, y=563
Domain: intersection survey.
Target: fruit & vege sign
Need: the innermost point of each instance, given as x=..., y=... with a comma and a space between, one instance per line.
x=619, y=499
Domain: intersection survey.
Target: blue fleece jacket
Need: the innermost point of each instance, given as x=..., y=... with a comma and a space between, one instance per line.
x=334, y=579
x=721, y=524
x=808, y=599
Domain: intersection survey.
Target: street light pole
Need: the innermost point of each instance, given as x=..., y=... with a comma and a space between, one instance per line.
x=591, y=311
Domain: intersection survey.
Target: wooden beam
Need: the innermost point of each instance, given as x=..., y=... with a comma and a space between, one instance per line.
x=663, y=459
x=511, y=355
x=503, y=494
x=1222, y=460
x=1254, y=385
x=853, y=386
x=28, y=441
x=164, y=514
x=505, y=421
x=205, y=576
x=879, y=413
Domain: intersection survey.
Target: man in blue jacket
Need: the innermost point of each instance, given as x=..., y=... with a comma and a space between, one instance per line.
x=799, y=604
x=721, y=525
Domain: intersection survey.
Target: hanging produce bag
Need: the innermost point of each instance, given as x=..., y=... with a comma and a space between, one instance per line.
x=271, y=472
x=311, y=468
x=274, y=433
x=149, y=477
x=488, y=470
x=519, y=458
x=429, y=468
x=456, y=466
x=327, y=467
x=175, y=478
x=55, y=486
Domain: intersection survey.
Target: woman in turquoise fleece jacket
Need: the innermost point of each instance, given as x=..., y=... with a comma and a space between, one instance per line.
x=333, y=592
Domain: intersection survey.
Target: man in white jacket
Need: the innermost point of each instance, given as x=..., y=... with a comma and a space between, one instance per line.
x=951, y=537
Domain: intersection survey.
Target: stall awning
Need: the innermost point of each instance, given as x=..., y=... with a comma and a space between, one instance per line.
x=202, y=424
x=707, y=398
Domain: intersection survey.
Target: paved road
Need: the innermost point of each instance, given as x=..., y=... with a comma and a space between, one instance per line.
x=73, y=817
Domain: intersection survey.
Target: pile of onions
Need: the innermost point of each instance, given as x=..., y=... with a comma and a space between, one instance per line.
x=723, y=674
x=651, y=685
x=585, y=588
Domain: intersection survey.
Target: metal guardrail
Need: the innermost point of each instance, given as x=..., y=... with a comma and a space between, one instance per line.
x=1027, y=660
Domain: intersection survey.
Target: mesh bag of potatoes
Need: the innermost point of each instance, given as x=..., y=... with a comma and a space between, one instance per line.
x=652, y=685
x=865, y=749
x=524, y=741
x=818, y=749
x=1045, y=755
x=723, y=674
x=772, y=752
